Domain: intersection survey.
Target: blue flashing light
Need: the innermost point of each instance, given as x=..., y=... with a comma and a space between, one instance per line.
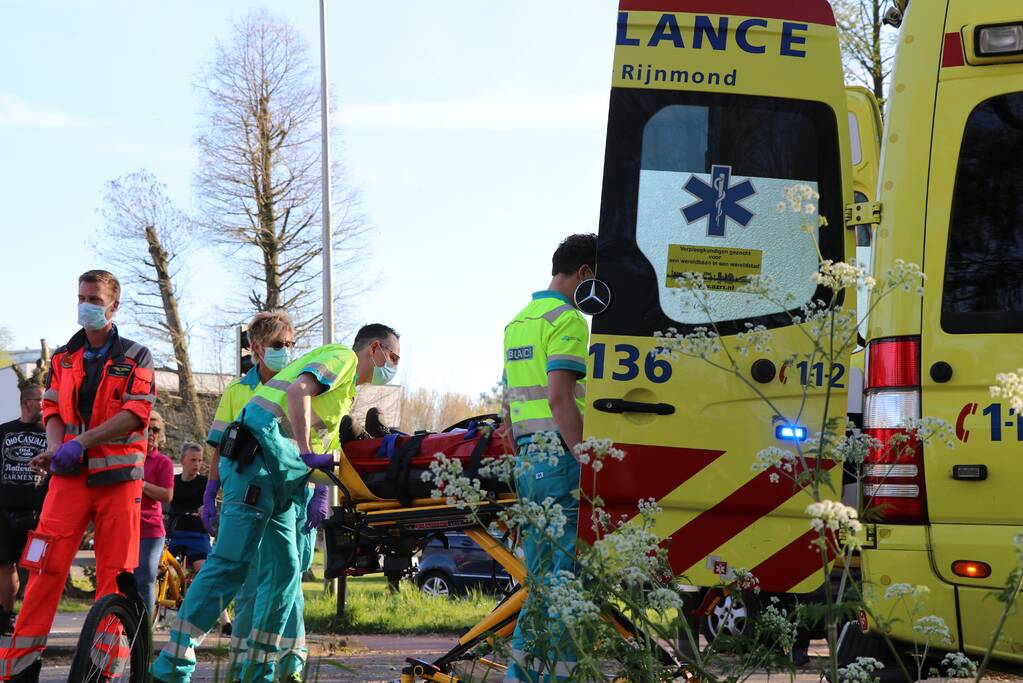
x=790, y=432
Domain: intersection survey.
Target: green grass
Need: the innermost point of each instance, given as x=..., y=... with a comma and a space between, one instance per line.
x=372, y=609
x=66, y=605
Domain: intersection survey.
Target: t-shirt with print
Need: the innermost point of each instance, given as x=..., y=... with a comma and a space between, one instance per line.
x=159, y=471
x=20, y=486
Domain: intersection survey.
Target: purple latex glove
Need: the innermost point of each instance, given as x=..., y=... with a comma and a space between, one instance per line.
x=67, y=461
x=209, y=507
x=316, y=461
x=319, y=506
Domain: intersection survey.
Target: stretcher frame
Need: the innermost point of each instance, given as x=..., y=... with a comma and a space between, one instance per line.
x=391, y=521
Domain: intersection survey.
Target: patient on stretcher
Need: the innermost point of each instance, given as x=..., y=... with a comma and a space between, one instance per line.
x=380, y=463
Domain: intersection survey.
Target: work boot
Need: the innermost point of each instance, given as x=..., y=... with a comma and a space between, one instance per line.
x=350, y=431
x=375, y=426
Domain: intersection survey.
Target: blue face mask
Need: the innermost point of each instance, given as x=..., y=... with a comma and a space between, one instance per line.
x=276, y=359
x=383, y=374
x=92, y=316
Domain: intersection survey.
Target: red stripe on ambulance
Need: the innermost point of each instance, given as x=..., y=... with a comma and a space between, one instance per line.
x=653, y=471
x=810, y=11
x=754, y=500
x=785, y=569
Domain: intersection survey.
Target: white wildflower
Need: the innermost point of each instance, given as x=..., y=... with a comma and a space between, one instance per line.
x=568, y=602
x=841, y=275
x=834, y=516
x=956, y=665
x=861, y=670
x=774, y=457
x=1010, y=387
x=933, y=627
x=898, y=590
x=664, y=599
x=928, y=428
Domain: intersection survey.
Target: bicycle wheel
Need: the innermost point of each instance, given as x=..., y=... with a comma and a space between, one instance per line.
x=114, y=643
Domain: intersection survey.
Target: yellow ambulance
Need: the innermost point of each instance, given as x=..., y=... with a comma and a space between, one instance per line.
x=716, y=109
x=951, y=199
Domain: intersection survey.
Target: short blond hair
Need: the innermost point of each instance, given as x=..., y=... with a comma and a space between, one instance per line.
x=267, y=325
x=102, y=277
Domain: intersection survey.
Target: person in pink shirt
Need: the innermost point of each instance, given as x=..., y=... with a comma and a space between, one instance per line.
x=157, y=489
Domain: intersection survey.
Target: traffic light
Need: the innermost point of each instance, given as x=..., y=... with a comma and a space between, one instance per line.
x=244, y=354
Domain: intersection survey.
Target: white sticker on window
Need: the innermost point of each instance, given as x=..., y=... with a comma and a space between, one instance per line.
x=727, y=228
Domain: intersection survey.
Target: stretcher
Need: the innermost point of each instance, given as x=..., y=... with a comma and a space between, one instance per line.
x=367, y=525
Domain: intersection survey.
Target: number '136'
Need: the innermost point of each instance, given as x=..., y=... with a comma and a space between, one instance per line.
x=626, y=364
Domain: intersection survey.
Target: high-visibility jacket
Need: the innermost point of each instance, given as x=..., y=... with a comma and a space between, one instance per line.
x=126, y=382
x=236, y=395
x=548, y=334
x=266, y=414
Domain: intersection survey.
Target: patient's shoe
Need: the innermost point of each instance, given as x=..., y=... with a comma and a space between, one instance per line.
x=375, y=426
x=350, y=431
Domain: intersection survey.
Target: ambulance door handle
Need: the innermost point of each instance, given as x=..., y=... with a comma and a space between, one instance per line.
x=620, y=405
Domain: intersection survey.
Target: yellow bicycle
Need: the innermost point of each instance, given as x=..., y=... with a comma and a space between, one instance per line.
x=171, y=579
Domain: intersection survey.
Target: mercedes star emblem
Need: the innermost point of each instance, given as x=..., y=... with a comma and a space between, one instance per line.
x=592, y=296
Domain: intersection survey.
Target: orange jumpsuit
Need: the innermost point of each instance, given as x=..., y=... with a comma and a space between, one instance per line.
x=106, y=492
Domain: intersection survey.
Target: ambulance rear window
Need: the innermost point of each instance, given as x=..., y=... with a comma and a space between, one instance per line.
x=983, y=289
x=726, y=186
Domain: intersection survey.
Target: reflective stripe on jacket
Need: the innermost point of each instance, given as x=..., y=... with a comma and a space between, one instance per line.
x=126, y=383
x=548, y=334
x=236, y=395
x=266, y=414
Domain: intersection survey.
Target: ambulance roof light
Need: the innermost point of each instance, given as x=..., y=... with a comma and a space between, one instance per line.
x=999, y=41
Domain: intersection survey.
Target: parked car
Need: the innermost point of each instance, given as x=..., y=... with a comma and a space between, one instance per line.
x=452, y=563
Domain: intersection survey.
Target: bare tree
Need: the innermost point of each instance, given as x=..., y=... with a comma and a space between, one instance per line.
x=867, y=47
x=147, y=239
x=258, y=179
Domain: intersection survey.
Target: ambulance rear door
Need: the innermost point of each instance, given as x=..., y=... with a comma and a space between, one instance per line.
x=973, y=312
x=720, y=113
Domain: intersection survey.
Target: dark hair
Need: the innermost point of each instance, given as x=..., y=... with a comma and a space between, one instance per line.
x=30, y=387
x=574, y=252
x=102, y=277
x=368, y=334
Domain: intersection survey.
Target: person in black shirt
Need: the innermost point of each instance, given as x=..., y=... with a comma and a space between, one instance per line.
x=188, y=537
x=22, y=491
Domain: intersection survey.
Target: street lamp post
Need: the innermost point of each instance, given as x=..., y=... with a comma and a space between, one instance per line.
x=328, y=242
x=339, y=586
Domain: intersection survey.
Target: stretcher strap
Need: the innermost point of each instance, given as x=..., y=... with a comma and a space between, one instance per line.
x=396, y=478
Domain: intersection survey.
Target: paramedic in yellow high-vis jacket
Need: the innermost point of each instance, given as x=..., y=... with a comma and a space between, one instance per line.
x=545, y=350
x=288, y=428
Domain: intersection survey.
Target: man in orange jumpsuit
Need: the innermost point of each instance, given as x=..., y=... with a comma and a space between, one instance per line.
x=96, y=406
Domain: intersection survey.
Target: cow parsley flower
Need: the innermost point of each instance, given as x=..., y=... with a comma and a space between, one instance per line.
x=861, y=670
x=834, y=516
x=933, y=627
x=1010, y=387
x=955, y=665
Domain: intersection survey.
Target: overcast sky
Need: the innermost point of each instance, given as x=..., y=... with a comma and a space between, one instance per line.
x=475, y=130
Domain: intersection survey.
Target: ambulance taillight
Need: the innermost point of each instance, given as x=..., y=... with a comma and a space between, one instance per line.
x=893, y=474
